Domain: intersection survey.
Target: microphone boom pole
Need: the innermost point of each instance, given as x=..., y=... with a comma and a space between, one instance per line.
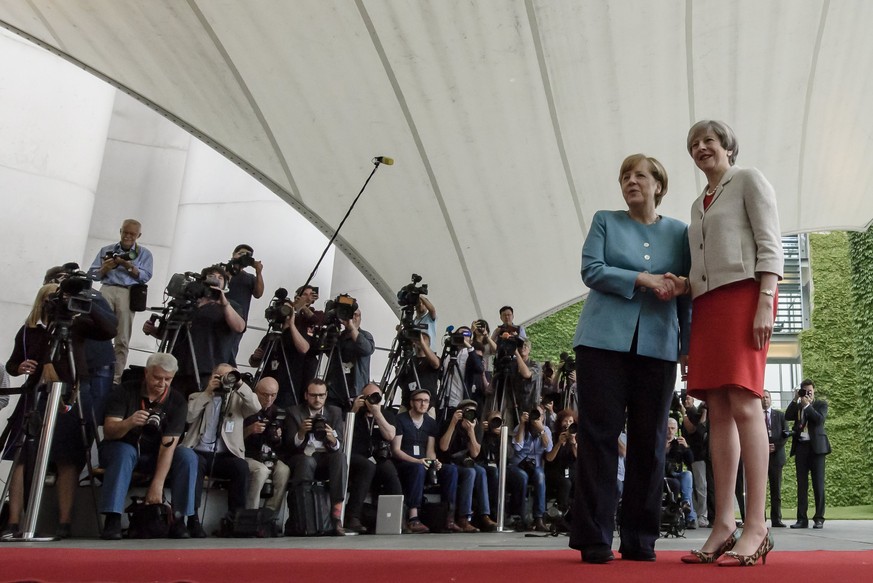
x=377, y=161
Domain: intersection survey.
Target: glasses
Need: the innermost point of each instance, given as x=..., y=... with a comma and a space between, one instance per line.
x=421, y=400
x=317, y=395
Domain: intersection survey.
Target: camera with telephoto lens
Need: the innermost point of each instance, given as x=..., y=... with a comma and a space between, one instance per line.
x=381, y=450
x=469, y=415
x=802, y=392
x=229, y=381
x=568, y=364
x=572, y=428
x=533, y=415
x=495, y=423
x=278, y=311
x=373, y=398
x=155, y=421
x=319, y=427
x=128, y=255
x=237, y=264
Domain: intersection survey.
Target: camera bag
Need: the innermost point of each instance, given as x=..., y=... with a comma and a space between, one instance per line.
x=308, y=510
x=254, y=523
x=138, y=297
x=148, y=520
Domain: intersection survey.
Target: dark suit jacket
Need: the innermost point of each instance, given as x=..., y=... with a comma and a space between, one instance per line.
x=778, y=436
x=293, y=420
x=815, y=416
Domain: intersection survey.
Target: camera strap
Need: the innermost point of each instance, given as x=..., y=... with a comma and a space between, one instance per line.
x=145, y=406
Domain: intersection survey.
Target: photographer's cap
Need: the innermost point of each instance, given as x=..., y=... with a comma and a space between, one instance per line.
x=468, y=403
x=418, y=392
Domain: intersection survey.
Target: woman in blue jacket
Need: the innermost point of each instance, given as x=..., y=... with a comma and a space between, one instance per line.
x=630, y=335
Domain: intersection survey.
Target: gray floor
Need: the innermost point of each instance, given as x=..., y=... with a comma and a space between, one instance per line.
x=837, y=535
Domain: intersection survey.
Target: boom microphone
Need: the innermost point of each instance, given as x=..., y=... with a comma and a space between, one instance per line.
x=383, y=160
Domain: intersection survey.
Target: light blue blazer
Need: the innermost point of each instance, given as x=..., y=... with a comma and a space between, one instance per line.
x=616, y=250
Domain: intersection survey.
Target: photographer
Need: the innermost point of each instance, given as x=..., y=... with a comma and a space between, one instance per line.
x=453, y=384
x=777, y=436
x=307, y=321
x=263, y=436
x=425, y=314
x=809, y=446
x=243, y=286
x=524, y=377
x=118, y=267
x=286, y=359
x=531, y=440
x=560, y=466
x=355, y=346
x=478, y=368
x=506, y=326
x=313, y=446
x=144, y=421
x=678, y=454
x=460, y=446
x=50, y=318
x=216, y=418
x=214, y=321
x=414, y=453
x=370, y=468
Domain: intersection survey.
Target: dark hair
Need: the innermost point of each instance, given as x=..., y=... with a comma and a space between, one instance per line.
x=215, y=269
x=806, y=383
x=317, y=382
x=504, y=308
x=244, y=246
x=302, y=289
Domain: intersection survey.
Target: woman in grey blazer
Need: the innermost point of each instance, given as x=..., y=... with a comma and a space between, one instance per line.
x=736, y=261
x=627, y=343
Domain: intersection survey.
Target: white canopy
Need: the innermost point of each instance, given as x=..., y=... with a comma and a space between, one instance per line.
x=508, y=120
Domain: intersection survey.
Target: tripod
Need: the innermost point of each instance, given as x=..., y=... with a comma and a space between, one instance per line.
x=498, y=399
x=451, y=373
x=401, y=361
x=33, y=449
x=274, y=344
x=568, y=396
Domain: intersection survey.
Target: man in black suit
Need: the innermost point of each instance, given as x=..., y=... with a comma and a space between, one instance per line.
x=777, y=434
x=809, y=446
x=313, y=445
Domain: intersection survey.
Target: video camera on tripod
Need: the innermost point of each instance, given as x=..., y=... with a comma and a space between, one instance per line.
x=507, y=345
x=279, y=310
x=73, y=296
x=336, y=311
x=408, y=297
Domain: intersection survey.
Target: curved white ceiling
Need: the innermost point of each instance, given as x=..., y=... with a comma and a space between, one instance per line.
x=507, y=119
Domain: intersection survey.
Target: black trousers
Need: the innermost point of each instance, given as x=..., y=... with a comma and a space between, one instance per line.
x=330, y=465
x=809, y=464
x=226, y=466
x=364, y=476
x=774, y=477
x=608, y=383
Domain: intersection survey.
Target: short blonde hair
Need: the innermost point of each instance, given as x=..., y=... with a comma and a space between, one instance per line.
x=655, y=167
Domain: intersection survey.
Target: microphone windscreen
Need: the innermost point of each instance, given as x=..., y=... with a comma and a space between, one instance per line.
x=385, y=160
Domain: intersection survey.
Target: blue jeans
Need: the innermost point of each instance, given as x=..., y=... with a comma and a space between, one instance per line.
x=93, y=391
x=480, y=489
x=686, y=487
x=466, y=482
x=120, y=459
x=518, y=480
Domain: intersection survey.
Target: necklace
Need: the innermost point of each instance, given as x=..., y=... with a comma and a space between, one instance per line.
x=644, y=222
x=711, y=192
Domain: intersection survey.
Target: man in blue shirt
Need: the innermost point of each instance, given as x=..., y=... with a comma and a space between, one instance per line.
x=118, y=267
x=531, y=440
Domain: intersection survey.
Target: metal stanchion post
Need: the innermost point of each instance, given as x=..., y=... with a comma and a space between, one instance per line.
x=501, y=486
x=347, y=451
x=42, y=458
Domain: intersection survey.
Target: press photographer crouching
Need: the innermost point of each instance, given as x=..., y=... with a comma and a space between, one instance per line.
x=216, y=418
x=52, y=340
x=489, y=458
x=312, y=447
x=459, y=446
x=144, y=421
x=530, y=442
x=370, y=469
x=198, y=305
x=263, y=437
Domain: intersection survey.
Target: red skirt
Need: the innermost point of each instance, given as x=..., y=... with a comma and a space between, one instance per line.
x=722, y=351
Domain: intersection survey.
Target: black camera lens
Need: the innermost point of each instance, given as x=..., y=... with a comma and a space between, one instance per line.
x=572, y=429
x=469, y=414
x=374, y=398
x=534, y=415
x=495, y=422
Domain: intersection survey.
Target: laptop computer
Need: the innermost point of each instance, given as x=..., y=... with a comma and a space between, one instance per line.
x=389, y=514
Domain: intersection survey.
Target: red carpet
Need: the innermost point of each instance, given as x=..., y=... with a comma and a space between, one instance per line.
x=334, y=566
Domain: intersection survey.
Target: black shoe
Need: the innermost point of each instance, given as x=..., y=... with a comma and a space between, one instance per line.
x=638, y=556
x=179, y=530
x=800, y=524
x=354, y=524
x=597, y=555
x=65, y=530
x=777, y=524
x=12, y=530
x=195, y=529
x=112, y=527
x=818, y=523
x=338, y=529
